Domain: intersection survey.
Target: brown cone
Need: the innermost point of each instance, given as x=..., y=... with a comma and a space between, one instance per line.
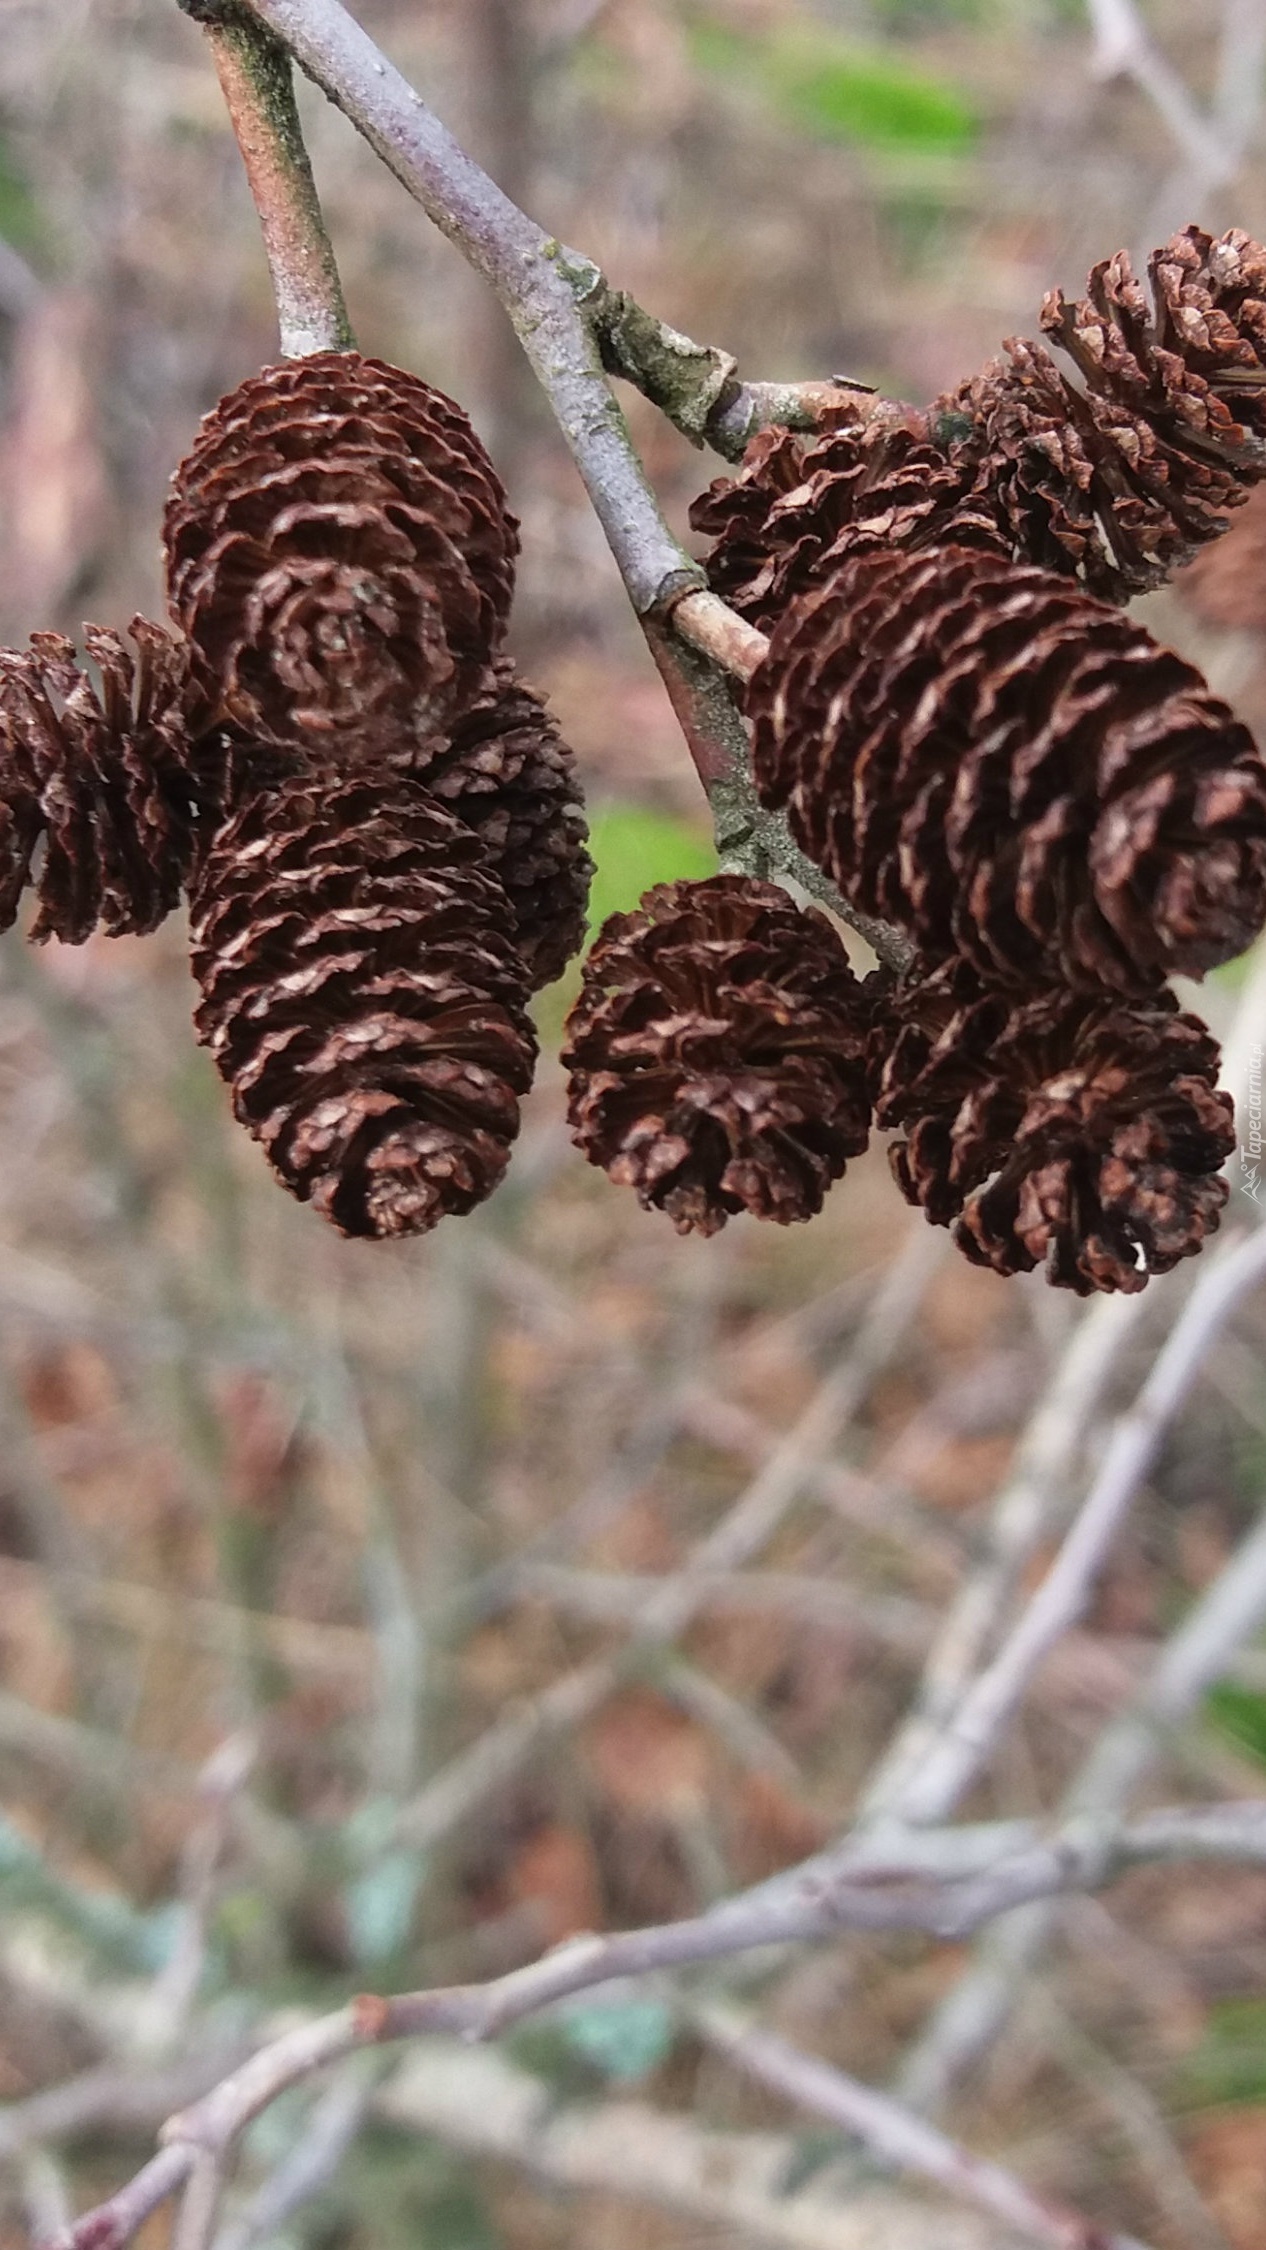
x=797, y=508
x=105, y=777
x=507, y=773
x=717, y=1053
x=1116, y=482
x=1079, y=1132
x=999, y=765
x=362, y=1000
x=340, y=554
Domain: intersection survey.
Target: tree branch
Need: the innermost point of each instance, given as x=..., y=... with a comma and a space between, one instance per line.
x=942, y=1882
x=899, y=2138
x=254, y=74
x=956, y=1757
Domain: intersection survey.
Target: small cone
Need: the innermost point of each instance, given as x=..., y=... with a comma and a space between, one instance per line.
x=340, y=554
x=104, y=778
x=718, y=1054
x=1081, y=1133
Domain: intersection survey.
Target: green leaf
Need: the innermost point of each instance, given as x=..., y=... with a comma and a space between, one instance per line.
x=634, y=848
x=21, y=221
x=624, y=2039
x=1240, y=1714
x=840, y=90
x=867, y=96
x=1229, y=2065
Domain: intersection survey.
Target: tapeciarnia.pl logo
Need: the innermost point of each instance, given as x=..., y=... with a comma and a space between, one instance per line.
x=1251, y=1154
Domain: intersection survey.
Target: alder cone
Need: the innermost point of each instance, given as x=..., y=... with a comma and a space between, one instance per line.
x=718, y=1054
x=1007, y=769
x=102, y=777
x=1079, y=1132
x=362, y=999
x=507, y=773
x=340, y=554
x=797, y=508
x=1116, y=480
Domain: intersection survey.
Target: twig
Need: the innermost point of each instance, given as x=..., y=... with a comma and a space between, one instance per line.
x=1200, y=1652
x=330, y=2129
x=697, y=385
x=175, y=1989
x=965, y=1743
x=1036, y=1488
x=254, y=74
x=897, y=2137
x=200, y=2203
x=117, y=2222
x=944, y=1882
x=1124, y=47
x=733, y=2183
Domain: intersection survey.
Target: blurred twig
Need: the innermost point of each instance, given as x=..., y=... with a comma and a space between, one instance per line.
x=956, y=1755
x=1200, y=1652
x=899, y=2139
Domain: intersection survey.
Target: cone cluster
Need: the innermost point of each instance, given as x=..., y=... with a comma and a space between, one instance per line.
x=377, y=823
x=1113, y=480
x=976, y=746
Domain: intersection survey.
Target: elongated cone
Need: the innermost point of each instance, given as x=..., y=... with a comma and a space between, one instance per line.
x=1009, y=770
x=363, y=999
x=1115, y=479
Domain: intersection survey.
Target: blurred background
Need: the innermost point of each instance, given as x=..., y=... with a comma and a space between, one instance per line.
x=319, y=1561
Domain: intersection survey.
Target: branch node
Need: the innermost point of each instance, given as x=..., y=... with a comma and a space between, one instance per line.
x=371, y=2018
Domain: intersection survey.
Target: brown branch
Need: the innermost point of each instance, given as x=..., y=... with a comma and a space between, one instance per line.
x=254, y=73
x=944, y=1883
x=697, y=386
x=898, y=2137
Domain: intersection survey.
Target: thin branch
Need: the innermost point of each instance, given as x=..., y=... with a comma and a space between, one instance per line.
x=1036, y=1489
x=255, y=78
x=330, y=2129
x=971, y=1732
x=897, y=2137
x=1125, y=48
x=1201, y=1652
x=200, y=2203
x=697, y=385
x=942, y=1882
